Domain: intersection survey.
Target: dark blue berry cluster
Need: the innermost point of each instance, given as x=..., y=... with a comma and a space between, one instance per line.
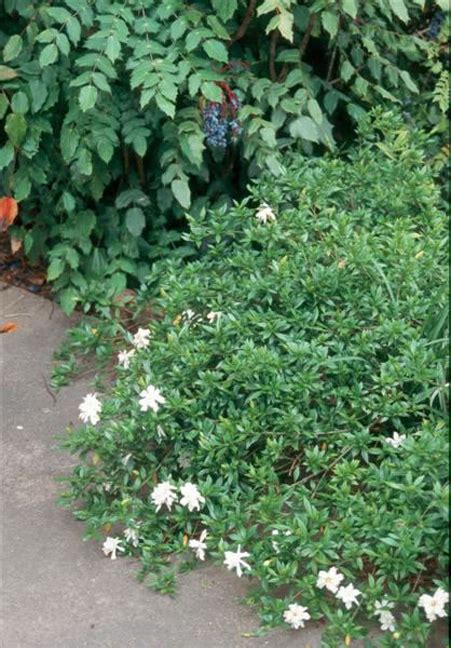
x=221, y=126
x=435, y=25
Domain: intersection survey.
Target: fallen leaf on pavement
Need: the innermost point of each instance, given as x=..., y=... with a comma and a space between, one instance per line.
x=8, y=327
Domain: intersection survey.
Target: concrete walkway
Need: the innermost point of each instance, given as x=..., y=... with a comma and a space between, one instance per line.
x=58, y=592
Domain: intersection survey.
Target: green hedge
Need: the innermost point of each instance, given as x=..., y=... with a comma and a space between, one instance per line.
x=311, y=413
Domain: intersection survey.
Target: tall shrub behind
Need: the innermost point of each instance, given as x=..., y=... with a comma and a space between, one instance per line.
x=119, y=117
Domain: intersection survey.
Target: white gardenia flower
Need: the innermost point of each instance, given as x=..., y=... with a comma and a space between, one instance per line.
x=160, y=433
x=111, y=546
x=199, y=546
x=234, y=560
x=188, y=314
x=191, y=497
x=296, y=615
x=329, y=579
x=265, y=214
x=123, y=358
x=90, y=409
x=141, y=338
x=151, y=398
x=131, y=535
x=212, y=316
x=164, y=493
x=396, y=440
x=434, y=605
x=381, y=606
x=387, y=620
x=348, y=595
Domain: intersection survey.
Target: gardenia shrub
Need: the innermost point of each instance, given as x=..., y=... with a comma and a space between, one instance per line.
x=120, y=116
x=286, y=415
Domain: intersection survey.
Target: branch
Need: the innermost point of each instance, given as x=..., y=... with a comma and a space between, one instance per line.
x=331, y=64
x=306, y=38
x=334, y=53
x=272, y=54
x=245, y=24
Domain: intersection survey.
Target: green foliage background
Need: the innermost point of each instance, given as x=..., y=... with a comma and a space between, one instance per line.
x=102, y=139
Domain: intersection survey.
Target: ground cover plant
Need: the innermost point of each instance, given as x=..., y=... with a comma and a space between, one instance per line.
x=285, y=414
x=120, y=116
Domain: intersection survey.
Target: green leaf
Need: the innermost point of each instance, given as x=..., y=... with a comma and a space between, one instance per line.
x=405, y=76
x=48, y=55
x=22, y=186
x=211, y=91
x=88, y=97
x=12, y=48
x=6, y=155
x=330, y=22
x=7, y=73
x=225, y=8
x=55, y=269
x=85, y=223
x=286, y=25
x=305, y=128
x=361, y=86
x=84, y=162
x=3, y=105
x=350, y=7
x=73, y=29
x=68, y=202
x=105, y=150
x=193, y=39
x=113, y=48
x=196, y=148
x=100, y=81
x=166, y=106
x=182, y=193
x=16, y=128
x=68, y=300
x=168, y=89
x=218, y=28
x=39, y=94
x=216, y=50
x=399, y=8
x=135, y=221
x=63, y=44
x=140, y=145
x=20, y=103
x=178, y=28
x=347, y=70
x=69, y=141
x=72, y=258
x=315, y=110
x=59, y=14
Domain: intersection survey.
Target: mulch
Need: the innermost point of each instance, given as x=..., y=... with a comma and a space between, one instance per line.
x=16, y=270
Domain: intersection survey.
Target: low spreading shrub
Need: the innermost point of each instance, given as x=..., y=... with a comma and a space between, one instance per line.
x=285, y=414
x=118, y=117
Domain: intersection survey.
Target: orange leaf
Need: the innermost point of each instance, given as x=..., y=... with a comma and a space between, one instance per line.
x=8, y=212
x=8, y=327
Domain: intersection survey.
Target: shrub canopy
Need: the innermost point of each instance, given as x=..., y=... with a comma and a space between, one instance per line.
x=284, y=410
x=102, y=102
